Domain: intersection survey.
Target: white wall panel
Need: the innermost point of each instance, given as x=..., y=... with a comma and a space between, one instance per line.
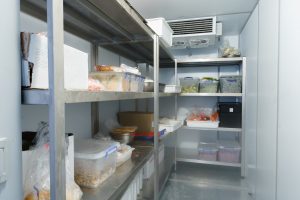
x=249, y=48
x=289, y=98
x=10, y=98
x=267, y=99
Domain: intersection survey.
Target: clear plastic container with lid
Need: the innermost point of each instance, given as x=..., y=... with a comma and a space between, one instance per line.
x=189, y=84
x=95, y=161
x=229, y=151
x=208, y=151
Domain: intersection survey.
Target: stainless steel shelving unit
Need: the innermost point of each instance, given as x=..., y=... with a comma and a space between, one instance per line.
x=186, y=155
x=113, y=24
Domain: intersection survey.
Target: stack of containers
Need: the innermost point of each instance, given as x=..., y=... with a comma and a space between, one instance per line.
x=95, y=161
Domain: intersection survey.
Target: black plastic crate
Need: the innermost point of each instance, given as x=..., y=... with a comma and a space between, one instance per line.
x=230, y=114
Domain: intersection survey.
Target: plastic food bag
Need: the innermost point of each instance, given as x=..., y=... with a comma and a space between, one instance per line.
x=203, y=114
x=37, y=182
x=228, y=51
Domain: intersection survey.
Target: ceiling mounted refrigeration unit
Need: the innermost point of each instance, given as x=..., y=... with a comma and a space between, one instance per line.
x=195, y=33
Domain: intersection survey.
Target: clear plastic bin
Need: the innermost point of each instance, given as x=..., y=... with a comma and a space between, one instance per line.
x=113, y=81
x=95, y=161
x=231, y=84
x=208, y=151
x=209, y=85
x=189, y=85
x=229, y=151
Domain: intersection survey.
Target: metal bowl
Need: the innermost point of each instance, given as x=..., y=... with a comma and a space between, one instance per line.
x=123, y=138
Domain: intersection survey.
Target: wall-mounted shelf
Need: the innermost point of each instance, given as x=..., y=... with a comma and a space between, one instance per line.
x=221, y=129
x=188, y=155
x=211, y=94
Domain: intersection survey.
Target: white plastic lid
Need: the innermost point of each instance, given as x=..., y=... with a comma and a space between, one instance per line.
x=93, y=149
x=229, y=144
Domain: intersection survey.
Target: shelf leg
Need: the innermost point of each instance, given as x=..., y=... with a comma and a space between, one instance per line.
x=156, y=115
x=57, y=99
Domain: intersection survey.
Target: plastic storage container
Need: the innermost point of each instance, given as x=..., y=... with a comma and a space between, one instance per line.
x=95, y=161
x=231, y=84
x=162, y=29
x=189, y=85
x=229, y=151
x=208, y=85
x=124, y=153
x=208, y=151
x=113, y=81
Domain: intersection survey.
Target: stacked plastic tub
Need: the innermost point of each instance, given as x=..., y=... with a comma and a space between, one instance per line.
x=228, y=151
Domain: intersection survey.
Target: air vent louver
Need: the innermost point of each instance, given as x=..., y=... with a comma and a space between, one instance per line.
x=195, y=26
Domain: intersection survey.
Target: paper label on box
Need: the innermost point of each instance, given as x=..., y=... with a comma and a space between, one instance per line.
x=231, y=110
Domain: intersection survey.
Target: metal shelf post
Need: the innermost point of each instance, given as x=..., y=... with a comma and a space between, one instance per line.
x=55, y=19
x=156, y=115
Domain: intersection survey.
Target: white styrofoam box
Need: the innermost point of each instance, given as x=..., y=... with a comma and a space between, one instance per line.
x=26, y=158
x=172, y=89
x=202, y=124
x=149, y=168
x=171, y=127
x=75, y=65
x=162, y=29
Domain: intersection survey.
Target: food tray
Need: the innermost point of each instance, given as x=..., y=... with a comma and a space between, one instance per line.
x=202, y=124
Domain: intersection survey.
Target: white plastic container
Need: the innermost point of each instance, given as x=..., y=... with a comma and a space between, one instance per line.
x=95, y=161
x=172, y=89
x=124, y=153
x=162, y=29
x=229, y=151
x=170, y=126
x=202, y=124
x=208, y=151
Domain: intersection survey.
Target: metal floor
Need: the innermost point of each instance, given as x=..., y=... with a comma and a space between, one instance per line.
x=204, y=182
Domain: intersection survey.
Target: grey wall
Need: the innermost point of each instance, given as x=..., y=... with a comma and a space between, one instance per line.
x=249, y=48
x=10, y=98
x=288, y=176
x=267, y=99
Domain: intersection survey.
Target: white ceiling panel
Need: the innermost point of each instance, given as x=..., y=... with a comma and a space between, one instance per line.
x=181, y=9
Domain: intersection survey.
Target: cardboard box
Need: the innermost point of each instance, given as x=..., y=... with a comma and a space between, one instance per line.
x=143, y=120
